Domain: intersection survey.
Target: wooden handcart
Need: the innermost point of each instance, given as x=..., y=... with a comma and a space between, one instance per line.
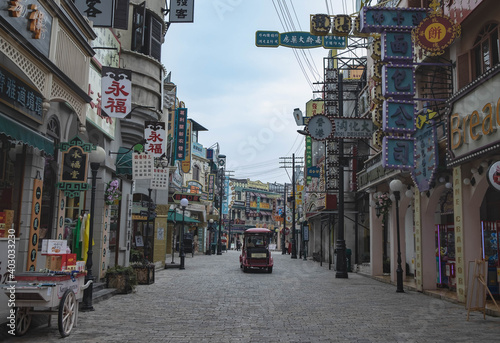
x=48, y=293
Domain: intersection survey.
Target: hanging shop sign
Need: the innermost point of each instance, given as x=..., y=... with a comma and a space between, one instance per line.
x=74, y=167
x=435, y=33
x=20, y=96
x=308, y=159
x=321, y=24
x=94, y=114
x=99, y=12
x=116, y=90
x=142, y=165
x=181, y=11
x=186, y=163
x=398, y=153
x=426, y=156
x=155, y=135
x=494, y=176
x=398, y=81
x=160, y=178
x=398, y=116
x=379, y=19
x=180, y=127
x=211, y=187
x=320, y=127
x=31, y=20
x=298, y=40
x=396, y=47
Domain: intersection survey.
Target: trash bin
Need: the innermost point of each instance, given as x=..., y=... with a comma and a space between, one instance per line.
x=348, y=255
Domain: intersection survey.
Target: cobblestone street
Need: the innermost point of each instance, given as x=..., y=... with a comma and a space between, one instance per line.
x=212, y=300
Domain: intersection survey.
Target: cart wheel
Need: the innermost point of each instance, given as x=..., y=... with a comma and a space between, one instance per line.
x=67, y=313
x=23, y=320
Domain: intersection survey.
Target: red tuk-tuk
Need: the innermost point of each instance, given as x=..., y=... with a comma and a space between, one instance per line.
x=255, y=252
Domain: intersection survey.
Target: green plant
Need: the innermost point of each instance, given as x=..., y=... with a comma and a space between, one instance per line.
x=122, y=278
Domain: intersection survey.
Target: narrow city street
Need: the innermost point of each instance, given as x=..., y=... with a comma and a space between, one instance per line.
x=212, y=300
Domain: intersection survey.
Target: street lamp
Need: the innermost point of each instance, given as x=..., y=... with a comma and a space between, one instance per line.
x=211, y=228
x=222, y=162
x=396, y=186
x=184, y=204
x=96, y=157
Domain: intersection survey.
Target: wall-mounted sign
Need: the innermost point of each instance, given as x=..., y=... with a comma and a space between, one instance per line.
x=398, y=81
x=116, y=90
x=74, y=166
x=34, y=237
x=298, y=40
x=494, y=176
x=435, y=33
x=31, y=20
x=354, y=128
x=426, y=157
x=17, y=94
x=191, y=197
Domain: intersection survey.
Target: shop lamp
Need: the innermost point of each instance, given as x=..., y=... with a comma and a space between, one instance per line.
x=96, y=157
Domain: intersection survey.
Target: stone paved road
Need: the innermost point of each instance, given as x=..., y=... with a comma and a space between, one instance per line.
x=212, y=300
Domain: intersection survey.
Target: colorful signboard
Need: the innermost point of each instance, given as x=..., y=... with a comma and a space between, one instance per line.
x=298, y=40
x=396, y=47
x=211, y=187
x=435, y=33
x=398, y=116
x=398, y=81
x=116, y=90
x=191, y=197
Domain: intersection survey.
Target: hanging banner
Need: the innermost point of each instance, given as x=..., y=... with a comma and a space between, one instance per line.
x=116, y=90
x=34, y=237
x=155, y=135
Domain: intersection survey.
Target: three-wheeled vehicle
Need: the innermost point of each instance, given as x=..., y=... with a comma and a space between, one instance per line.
x=255, y=252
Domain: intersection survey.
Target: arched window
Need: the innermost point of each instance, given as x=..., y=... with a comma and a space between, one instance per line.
x=485, y=50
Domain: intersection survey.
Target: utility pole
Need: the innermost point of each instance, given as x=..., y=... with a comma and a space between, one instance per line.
x=285, y=162
x=283, y=247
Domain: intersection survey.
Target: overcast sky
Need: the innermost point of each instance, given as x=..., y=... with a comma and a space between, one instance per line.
x=243, y=94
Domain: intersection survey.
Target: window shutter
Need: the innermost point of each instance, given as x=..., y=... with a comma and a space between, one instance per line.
x=154, y=37
x=138, y=27
x=121, y=14
x=463, y=70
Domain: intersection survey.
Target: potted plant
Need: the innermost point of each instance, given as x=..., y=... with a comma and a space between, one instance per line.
x=122, y=278
x=112, y=192
x=144, y=271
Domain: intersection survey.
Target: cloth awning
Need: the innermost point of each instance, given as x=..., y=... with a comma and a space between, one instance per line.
x=26, y=135
x=124, y=161
x=177, y=217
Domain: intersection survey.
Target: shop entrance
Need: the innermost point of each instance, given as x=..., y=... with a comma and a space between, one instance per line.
x=142, y=240
x=490, y=230
x=445, y=256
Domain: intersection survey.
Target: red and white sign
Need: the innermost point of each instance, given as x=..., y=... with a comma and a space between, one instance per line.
x=155, y=136
x=116, y=90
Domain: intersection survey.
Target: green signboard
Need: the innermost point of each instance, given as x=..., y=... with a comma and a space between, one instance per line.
x=298, y=40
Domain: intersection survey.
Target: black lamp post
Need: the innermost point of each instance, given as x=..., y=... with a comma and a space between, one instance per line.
x=184, y=204
x=222, y=162
x=96, y=157
x=210, y=229
x=396, y=186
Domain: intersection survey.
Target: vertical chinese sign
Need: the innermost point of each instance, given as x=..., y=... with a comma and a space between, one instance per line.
x=116, y=91
x=180, y=133
x=35, y=225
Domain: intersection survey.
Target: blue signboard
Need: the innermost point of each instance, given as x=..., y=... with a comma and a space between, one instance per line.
x=426, y=156
x=398, y=153
x=298, y=40
x=397, y=46
x=313, y=171
x=379, y=19
x=398, y=116
x=398, y=81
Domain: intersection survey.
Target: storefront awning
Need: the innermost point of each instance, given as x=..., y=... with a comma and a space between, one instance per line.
x=26, y=135
x=177, y=217
x=124, y=161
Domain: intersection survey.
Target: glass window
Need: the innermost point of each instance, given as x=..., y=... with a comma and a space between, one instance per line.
x=485, y=51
